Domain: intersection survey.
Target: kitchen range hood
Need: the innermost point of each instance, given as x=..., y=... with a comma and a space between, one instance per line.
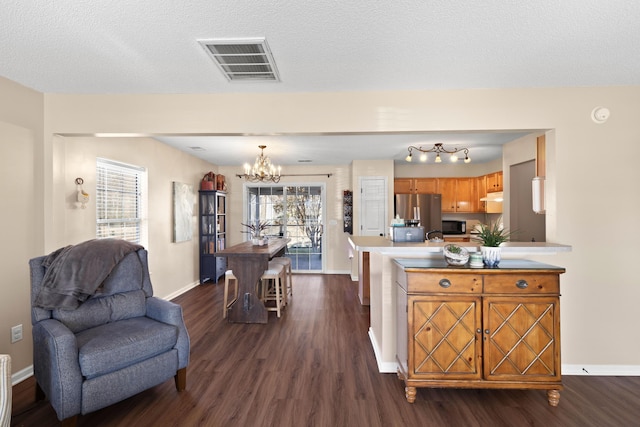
x=493, y=197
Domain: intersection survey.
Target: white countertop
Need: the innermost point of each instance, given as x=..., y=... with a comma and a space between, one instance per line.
x=384, y=245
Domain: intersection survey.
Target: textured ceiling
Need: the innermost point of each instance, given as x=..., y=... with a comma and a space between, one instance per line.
x=150, y=46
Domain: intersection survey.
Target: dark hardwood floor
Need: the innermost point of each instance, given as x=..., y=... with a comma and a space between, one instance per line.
x=315, y=367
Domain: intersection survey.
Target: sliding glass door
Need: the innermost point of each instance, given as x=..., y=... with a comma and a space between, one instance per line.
x=295, y=212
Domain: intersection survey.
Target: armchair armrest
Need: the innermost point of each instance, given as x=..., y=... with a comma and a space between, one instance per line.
x=56, y=365
x=171, y=313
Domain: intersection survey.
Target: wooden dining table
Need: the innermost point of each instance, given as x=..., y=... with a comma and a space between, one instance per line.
x=248, y=262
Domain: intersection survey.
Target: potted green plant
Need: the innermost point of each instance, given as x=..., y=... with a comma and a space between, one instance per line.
x=256, y=231
x=491, y=236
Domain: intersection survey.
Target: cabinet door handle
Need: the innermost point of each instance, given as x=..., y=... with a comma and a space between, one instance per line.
x=479, y=331
x=486, y=331
x=445, y=283
x=522, y=284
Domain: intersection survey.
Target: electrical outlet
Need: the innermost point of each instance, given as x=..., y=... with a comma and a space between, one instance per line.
x=16, y=333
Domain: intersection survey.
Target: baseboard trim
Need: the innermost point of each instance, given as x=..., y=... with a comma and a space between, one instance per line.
x=18, y=377
x=181, y=291
x=337, y=272
x=383, y=367
x=602, y=370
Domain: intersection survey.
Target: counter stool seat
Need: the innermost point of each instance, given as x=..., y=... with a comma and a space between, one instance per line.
x=286, y=262
x=272, y=281
x=229, y=278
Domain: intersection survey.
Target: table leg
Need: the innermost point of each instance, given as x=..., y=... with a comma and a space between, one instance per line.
x=248, y=308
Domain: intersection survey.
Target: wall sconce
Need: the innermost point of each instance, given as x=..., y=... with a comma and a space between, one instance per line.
x=438, y=148
x=82, y=196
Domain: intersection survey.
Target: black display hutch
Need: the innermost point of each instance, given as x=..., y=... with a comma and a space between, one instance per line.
x=213, y=234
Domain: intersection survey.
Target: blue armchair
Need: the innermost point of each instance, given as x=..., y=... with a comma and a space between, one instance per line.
x=118, y=342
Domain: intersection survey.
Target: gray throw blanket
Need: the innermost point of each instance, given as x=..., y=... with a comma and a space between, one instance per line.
x=75, y=272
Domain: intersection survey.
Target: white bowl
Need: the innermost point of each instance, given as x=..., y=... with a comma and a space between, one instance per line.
x=455, y=258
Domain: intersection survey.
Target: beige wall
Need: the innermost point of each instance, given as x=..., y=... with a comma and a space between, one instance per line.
x=21, y=121
x=590, y=191
x=173, y=266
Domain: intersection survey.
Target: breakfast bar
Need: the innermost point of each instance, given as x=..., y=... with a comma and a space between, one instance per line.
x=248, y=262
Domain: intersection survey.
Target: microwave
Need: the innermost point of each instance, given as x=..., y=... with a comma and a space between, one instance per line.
x=454, y=227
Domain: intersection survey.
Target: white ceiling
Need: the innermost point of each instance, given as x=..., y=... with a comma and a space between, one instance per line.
x=151, y=46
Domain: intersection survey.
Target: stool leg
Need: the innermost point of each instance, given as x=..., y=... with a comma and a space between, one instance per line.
x=235, y=281
x=283, y=283
x=226, y=295
x=225, y=301
x=277, y=283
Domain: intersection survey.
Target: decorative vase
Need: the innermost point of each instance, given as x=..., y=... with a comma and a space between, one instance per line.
x=490, y=255
x=475, y=260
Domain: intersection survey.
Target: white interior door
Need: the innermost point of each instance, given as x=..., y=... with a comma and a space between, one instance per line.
x=373, y=206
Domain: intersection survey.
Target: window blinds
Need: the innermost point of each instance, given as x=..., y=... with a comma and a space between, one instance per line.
x=118, y=200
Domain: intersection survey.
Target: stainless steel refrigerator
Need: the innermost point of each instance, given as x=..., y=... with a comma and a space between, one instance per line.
x=425, y=207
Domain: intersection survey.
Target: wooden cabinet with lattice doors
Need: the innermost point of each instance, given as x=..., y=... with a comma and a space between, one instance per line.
x=484, y=328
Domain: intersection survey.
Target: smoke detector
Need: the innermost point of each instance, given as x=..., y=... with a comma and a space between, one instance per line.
x=600, y=115
x=242, y=59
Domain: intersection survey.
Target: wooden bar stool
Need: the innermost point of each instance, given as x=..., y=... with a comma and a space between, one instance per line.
x=286, y=263
x=272, y=281
x=229, y=278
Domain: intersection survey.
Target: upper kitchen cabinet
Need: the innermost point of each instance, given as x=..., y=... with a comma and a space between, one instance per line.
x=494, y=182
x=480, y=190
x=415, y=186
x=457, y=194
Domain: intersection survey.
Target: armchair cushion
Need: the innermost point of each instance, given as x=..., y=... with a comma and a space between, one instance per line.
x=99, y=310
x=113, y=346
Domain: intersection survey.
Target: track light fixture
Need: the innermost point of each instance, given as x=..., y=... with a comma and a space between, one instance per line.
x=438, y=148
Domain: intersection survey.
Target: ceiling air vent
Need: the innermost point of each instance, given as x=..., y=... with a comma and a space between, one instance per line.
x=243, y=59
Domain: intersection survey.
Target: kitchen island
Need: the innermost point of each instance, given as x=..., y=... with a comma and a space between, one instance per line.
x=376, y=257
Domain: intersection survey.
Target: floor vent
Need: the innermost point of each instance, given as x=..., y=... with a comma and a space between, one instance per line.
x=242, y=60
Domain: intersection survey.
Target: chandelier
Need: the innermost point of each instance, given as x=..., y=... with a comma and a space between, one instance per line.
x=262, y=170
x=438, y=148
